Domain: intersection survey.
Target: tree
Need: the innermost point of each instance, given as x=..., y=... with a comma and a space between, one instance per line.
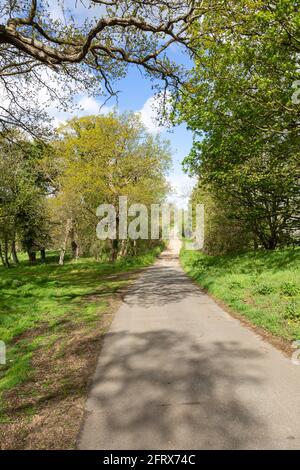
x=102, y=158
x=23, y=190
x=82, y=51
x=222, y=232
x=239, y=104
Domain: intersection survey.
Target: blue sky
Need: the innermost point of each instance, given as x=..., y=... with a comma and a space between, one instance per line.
x=136, y=94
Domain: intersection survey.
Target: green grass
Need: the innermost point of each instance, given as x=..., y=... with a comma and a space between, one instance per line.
x=37, y=301
x=262, y=286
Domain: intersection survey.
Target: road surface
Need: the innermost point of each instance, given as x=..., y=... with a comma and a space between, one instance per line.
x=177, y=372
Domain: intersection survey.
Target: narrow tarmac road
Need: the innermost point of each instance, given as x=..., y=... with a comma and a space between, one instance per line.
x=177, y=372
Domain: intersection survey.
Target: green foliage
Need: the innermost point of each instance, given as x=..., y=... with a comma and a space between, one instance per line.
x=222, y=233
x=264, y=286
x=289, y=288
x=68, y=47
x=238, y=102
x=95, y=160
x=34, y=310
x=292, y=311
x=101, y=158
x=263, y=289
x=23, y=189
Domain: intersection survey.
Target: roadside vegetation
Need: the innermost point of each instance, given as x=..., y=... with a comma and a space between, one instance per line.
x=262, y=286
x=52, y=319
x=58, y=281
x=240, y=102
x=49, y=193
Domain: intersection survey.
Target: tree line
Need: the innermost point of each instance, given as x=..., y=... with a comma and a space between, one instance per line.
x=49, y=193
x=239, y=102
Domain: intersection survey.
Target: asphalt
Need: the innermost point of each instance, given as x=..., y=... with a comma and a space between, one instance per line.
x=178, y=372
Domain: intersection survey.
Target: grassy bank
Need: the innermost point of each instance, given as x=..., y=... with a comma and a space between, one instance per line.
x=262, y=286
x=52, y=319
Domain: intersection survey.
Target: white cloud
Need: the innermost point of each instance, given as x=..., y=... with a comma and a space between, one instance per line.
x=53, y=101
x=150, y=114
x=181, y=184
x=85, y=106
x=79, y=105
x=4, y=100
x=79, y=10
x=181, y=188
x=88, y=105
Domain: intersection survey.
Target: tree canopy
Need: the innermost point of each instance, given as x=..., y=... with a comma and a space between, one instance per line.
x=49, y=194
x=83, y=47
x=239, y=104
x=102, y=158
x=239, y=101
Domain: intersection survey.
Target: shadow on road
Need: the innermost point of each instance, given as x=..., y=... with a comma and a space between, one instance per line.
x=165, y=387
x=161, y=285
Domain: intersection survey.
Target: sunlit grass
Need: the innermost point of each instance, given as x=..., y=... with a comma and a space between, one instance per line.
x=36, y=302
x=263, y=286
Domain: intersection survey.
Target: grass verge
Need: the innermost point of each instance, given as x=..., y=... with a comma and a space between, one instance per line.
x=262, y=286
x=52, y=320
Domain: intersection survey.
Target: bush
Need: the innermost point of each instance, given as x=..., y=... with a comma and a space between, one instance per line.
x=292, y=311
x=289, y=289
x=264, y=289
x=235, y=285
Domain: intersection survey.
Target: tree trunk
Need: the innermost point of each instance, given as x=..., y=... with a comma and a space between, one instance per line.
x=6, y=258
x=271, y=243
x=124, y=248
x=75, y=250
x=43, y=255
x=114, y=250
x=115, y=243
x=74, y=244
x=64, y=245
x=14, y=252
x=62, y=256
x=31, y=256
x=2, y=257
